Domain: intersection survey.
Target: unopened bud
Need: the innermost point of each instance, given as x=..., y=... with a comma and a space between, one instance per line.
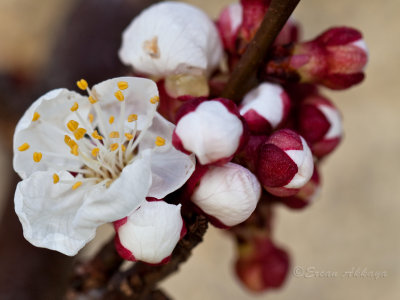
x=335, y=59
x=265, y=107
x=320, y=123
x=285, y=163
x=213, y=130
x=229, y=194
x=261, y=265
x=150, y=233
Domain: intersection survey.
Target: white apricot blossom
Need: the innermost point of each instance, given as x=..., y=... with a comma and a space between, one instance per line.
x=171, y=38
x=86, y=161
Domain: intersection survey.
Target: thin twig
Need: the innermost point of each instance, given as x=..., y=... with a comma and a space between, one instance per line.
x=277, y=14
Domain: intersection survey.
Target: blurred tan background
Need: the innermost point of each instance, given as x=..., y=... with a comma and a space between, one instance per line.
x=354, y=223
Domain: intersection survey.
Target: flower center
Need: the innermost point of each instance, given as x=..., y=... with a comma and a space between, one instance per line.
x=102, y=143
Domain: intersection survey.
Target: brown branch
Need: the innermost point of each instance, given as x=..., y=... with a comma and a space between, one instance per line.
x=277, y=14
x=141, y=280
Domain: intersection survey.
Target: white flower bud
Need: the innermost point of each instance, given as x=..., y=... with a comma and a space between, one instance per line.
x=150, y=233
x=171, y=38
x=227, y=193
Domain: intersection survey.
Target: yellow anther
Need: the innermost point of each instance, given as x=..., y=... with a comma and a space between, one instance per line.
x=23, y=147
x=95, y=151
x=92, y=100
x=74, y=150
x=36, y=116
x=72, y=125
x=160, y=141
x=132, y=117
x=67, y=139
x=37, y=156
x=91, y=118
x=155, y=99
x=75, y=106
x=79, y=133
x=114, y=147
x=72, y=144
x=123, y=85
x=123, y=148
x=82, y=84
x=129, y=136
x=96, y=135
x=114, y=134
x=56, y=178
x=119, y=96
x=111, y=120
x=76, y=185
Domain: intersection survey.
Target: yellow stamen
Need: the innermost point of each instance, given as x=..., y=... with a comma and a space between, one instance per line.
x=79, y=133
x=75, y=106
x=122, y=85
x=72, y=144
x=74, y=150
x=114, y=134
x=160, y=141
x=114, y=147
x=155, y=99
x=72, y=125
x=37, y=156
x=119, y=96
x=95, y=151
x=36, y=117
x=82, y=84
x=111, y=120
x=96, y=135
x=123, y=148
x=129, y=136
x=92, y=100
x=76, y=185
x=132, y=117
x=91, y=118
x=23, y=147
x=56, y=178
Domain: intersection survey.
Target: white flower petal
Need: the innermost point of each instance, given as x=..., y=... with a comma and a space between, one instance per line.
x=152, y=232
x=47, y=210
x=229, y=193
x=137, y=99
x=46, y=135
x=334, y=119
x=171, y=38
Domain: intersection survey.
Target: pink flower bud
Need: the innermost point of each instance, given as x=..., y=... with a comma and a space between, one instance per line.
x=249, y=155
x=265, y=107
x=261, y=265
x=213, y=130
x=320, y=123
x=289, y=34
x=228, y=194
x=306, y=194
x=150, y=233
x=335, y=59
x=285, y=163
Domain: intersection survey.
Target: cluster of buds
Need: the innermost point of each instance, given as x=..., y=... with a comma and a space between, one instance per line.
x=231, y=162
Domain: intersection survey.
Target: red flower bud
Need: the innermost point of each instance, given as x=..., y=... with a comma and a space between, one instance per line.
x=335, y=59
x=319, y=122
x=285, y=163
x=261, y=265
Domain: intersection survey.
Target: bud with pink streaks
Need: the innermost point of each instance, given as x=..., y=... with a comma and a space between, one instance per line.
x=261, y=265
x=265, y=107
x=285, y=163
x=320, y=123
x=335, y=59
